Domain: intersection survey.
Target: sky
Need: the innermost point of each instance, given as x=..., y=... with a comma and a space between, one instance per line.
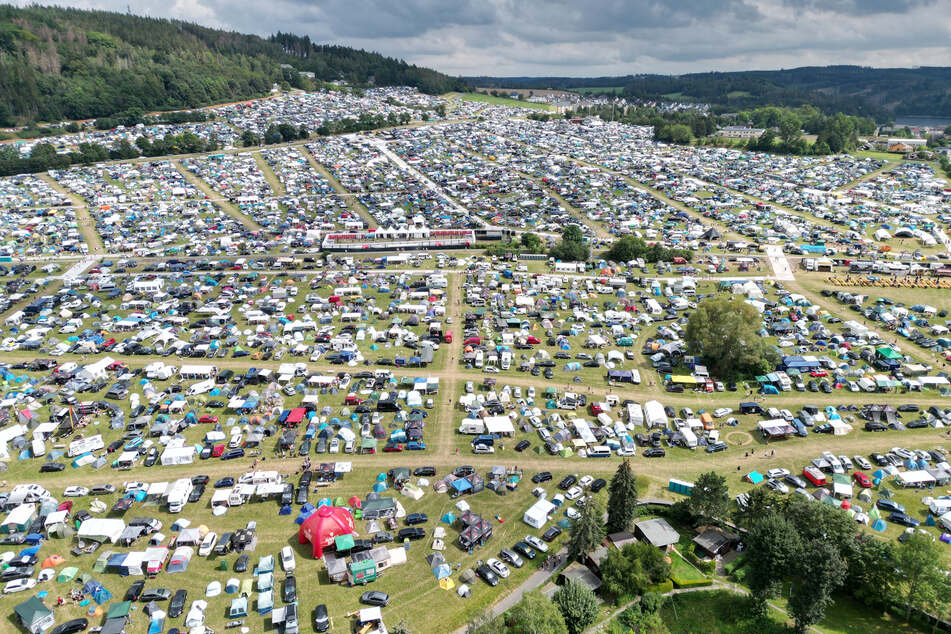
x=590, y=38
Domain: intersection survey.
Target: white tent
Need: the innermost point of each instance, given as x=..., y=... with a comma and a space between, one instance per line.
x=499, y=425
x=100, y=529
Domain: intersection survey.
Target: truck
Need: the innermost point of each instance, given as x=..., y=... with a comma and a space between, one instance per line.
x=178, y=494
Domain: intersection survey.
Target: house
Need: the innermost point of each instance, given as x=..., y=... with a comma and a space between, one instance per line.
x=740, y=132
x=34, y=615
x=657, y=532
x=621, y=539
x=714, y=541
x=579, y=573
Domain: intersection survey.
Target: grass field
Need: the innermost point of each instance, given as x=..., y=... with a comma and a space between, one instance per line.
x=499, y=101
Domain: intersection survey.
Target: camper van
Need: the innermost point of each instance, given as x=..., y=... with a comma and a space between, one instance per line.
x=85, y=445
x=178, y=494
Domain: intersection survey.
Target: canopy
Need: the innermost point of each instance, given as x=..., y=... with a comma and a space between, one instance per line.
x=323, y=526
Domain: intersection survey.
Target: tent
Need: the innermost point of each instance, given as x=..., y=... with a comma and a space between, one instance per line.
x=213, y=589
x=448, y=518
x=265, y=602
x=238, y=608
x=67, y=574
x=232, y=585
x=180, y=559
x=754, y=477
x=441, y=571
x=323, y=526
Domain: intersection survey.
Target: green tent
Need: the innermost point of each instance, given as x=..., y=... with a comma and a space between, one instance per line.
x=119, y=610
x=885, y=352
x=343, y=542
x=67, y=574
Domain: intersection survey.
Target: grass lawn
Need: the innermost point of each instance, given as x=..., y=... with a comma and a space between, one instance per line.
x=891, y=157
x=500, y=101
x=682, y=569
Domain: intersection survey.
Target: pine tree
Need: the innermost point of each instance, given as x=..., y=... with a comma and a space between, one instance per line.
x=622, y=500
x=587, y=532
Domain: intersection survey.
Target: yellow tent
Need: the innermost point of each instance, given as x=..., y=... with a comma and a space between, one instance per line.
x=446, y=583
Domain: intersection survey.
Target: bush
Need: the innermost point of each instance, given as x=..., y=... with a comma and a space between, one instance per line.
x=660, y=588
x=680, y=582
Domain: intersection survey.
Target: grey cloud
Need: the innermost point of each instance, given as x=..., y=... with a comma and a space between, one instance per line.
x=859, y=7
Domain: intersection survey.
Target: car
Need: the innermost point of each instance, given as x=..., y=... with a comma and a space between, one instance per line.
x=411, y=534
x=52, y=467
x=522, y=445
x=777, y=474
x=777, y=486
x=862, y=480
x=536, y=543
x=241, y=563
x=796, y=481
x=75, y=491
x=498, y=567
x=480, y=448
x=224, y=483
x=890, y=505
x=862, y=462
x=715, y=447
x=375, y=597
x=524, y=550
x=598, y=484
x=487, y=575
x=102, y=489
x=879, y=459
x=544, y=476
x=289, y=593
x=655, y=452
x=231, y=454
x=424, y=471
x=18, y=585
x=135, y=590
x=287, y=559
x=574, y=493
x=511, y=557
x=720, y=412
x=875, y=426
x=321, y=618
x=156, y=594
x=71, y=627
x=552, y=533
x=902, y=518
x=416, y=518
x=16, y=572
x=177, y=606
x=196, y=480
x=567, y=482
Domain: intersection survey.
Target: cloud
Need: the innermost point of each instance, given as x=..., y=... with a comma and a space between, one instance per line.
x=595, y=37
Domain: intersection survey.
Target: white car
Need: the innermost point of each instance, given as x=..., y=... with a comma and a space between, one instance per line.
x=207, y=544
x=572, y=513
x=573, y=493
x=862, y=462
x=498, y=567
x=334, y=445
x=75, y=492
x=777, y=486
x=777, y=474
x=720, y=412
x=480, y=448
x=536, y=543
x=287, y=559
x=585, y=481
x=18, y=585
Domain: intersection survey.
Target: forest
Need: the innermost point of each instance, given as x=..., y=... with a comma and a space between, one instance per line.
x=67, y=64
x=880, y=93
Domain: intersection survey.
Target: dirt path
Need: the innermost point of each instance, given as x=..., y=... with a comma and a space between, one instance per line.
x=890, y=164
x=351, y=199
x=225, y=204
x=84, y=221
x=269, y=175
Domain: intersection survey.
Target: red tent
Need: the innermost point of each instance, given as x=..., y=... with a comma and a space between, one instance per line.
x=325, y=524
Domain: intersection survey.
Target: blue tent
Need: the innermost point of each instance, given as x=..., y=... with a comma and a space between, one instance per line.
x=285, y=510
x=878, y=525
x=448, y=518
x=461, y=485
x=442, y=571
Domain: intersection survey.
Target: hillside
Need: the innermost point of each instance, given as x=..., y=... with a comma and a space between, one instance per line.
x=58, y=63
x=878, y=92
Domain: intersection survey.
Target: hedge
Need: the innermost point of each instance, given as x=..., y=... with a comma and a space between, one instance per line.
x=660, y=588
x=680, y=582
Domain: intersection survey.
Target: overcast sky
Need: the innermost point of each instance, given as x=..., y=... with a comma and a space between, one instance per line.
x=593, y=37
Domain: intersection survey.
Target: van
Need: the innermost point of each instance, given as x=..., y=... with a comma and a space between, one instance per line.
x=601, y=451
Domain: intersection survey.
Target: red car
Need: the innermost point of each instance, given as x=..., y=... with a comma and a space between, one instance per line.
x=65, y=506
x=217, y=450
x=815, y=476
x=109, y=344
x=392, y=448
x=818, y=373
x=862, y=480
x=594, y=408
x=208, y=419
x=532, y=339
x=448, y=337
x=472, y=341
x=352, y=399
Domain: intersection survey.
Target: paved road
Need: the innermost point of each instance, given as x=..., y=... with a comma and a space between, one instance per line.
x=781, y=269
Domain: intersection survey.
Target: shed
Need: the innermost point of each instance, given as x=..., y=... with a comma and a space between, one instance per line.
x=579, y=573
x=714, y=541
x=657, y=532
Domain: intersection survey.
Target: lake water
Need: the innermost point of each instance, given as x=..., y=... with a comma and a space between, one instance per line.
x=912, y=121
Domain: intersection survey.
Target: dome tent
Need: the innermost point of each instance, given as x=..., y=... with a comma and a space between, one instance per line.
x=323, y=526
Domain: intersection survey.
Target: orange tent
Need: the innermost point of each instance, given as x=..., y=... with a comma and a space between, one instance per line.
x=53, y=560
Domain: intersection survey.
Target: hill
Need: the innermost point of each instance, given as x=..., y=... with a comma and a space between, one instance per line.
x=58, y=63
x=881, y=93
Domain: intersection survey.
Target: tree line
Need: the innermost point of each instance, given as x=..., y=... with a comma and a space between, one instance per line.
x=62, y=63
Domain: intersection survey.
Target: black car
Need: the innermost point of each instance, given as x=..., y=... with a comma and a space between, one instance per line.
x=196, y=493
x=375, y=597
x=231, y=454
x=16, y=572
x=156, y=594
x=544, y=476
x=879, y=459
x=152, y=457
x=889, y=505
x=52, y=467
x=522, y=445
x=241, y=563
x=290, y=589
x=416, y=518
x=224, y=483
x=567, y=482
x=487, y=575
x=302, y=493
x=549, y=374
x=424, y=471
x=598, y=484
x=200, y=479
x=177, y=606
x=134, y=591
x=321, y=619
x=551, y=534
x=223, y=547
x=655, y=452
x=70, y=627
x=908, y=407
x=901, y=518
x=524, y=550
x=411, y=534
x=875, y=426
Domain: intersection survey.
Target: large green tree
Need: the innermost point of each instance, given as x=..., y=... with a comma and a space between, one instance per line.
x=725, y=333
x=622, y=498
x=710, y=498
x=535, y=614
x=917, y=560
x=587, y=532
x=577, y=604
x=820, y=571
x=773, y=547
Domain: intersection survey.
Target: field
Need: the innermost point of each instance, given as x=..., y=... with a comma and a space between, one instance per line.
x=499, y=101
x=597, y=90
